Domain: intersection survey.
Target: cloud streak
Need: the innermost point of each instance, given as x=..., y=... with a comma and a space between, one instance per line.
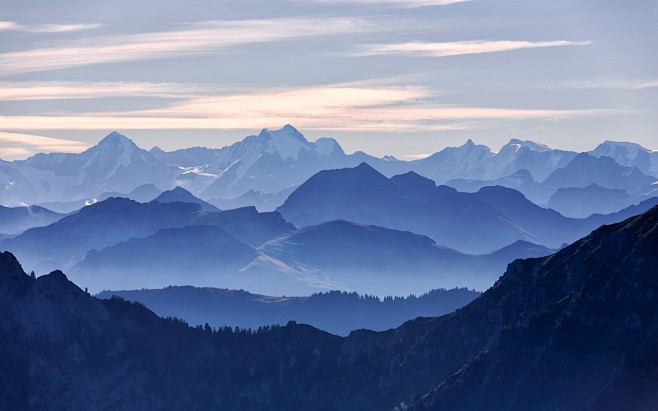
x=346, y=107
x=15, y=145
x=458, y=48
x=612, y=84
x=63, y=90
x=193, y=39
x=47, y=28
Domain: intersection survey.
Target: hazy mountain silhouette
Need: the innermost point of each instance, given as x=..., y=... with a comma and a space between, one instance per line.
x=141, y=194
x=581, y=202
x=262, y=201
x=587, y=184
x=196, y=255
x=14, y=220
x=180, y=194
x=103, y=224
x=585, y=170
x=335, y=311
x=380, y=261
x=363, y=195
x=247, y=224
x=574, y=330
x=144, y=193
x=464, y=221
x=520, y=181
x=334, y=255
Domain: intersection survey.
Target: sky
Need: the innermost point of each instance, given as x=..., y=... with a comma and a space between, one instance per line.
x=403, y=78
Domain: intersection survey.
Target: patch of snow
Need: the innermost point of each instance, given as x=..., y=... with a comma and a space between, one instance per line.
x=287, y=142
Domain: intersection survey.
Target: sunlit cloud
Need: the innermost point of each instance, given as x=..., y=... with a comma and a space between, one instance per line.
x=61, y=90
x=457, y=48
x=337, y=107
x=12, y=153
x=47, y=28
x=15, y=145
x=190, y=39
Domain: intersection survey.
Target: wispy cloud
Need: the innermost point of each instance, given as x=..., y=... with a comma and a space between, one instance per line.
x=349, y=107
x=457, y=48
x=47, y=28
x=14, y=153
x=61, y=90
x=612, y=84
x=15, y=145
x=191, y=39
x=398, y=3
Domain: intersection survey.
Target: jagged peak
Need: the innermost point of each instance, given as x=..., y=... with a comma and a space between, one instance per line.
x=285, y=131
x=534, y=146
x=115, y=138
x=287, y=142
x=470, y=145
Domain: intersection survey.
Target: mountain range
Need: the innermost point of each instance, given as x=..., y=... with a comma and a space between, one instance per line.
x=334, y=255
x=575, y=330
x=464, y=221
x=377, y=232
x=261, y=170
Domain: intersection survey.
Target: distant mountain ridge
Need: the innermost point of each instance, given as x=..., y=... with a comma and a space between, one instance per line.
x=173, y=240
x=335, y=255
x=475, y=223
x=276, y=161
x=14, y=220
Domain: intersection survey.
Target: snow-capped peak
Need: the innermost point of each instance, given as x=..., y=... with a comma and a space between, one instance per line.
x=517, y=144
x=629, y=150
x=115, y=149
x=288, y=142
